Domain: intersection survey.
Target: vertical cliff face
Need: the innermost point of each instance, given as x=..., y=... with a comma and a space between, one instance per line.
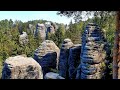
x=93, y=54
x=74, y=60
x=63, y=60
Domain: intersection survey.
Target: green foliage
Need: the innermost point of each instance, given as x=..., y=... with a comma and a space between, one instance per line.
x=74, y=32
x=58, y=36
x=53, y=70
x=9, y=40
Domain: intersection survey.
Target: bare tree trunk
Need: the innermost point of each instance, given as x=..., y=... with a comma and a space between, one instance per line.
x=116, y=47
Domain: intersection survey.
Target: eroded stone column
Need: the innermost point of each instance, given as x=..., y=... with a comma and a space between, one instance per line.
x=93, y=54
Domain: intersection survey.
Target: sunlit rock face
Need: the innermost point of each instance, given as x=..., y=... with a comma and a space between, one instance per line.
x=41, y=31
x=23, y=38
x=47, y=55
x=63, y=60
x=93, y=54
x=31, y=29
x=50, y=28
x=20, y=67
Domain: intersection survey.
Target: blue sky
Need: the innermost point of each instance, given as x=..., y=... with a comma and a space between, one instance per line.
x=34, y=15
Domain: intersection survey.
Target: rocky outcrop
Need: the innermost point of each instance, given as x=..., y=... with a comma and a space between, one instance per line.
x=23, y=38
x=54, y=25
x=52, y=75
x=20, y=67
x=74, y=60
x=63, y=60
x=31, y=29
x=47, y=24
x=40, y=31
x=93, y=54
x=51, y=27
x=47, y=55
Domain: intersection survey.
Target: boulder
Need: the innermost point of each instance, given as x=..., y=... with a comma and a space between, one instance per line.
x=20, y=67
x=52, y=75
x=47, y=55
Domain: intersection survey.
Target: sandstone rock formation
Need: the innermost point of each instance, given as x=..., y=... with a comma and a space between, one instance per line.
x=64, y=55
x=20, y=67
x=31, y=29
x=51, y=27
x=47, y=24
x=40, y=31
x=23, y=38
x=47, y=55
x=52, y=75
x=54, y=25
x=93, y=54
x=74, y=60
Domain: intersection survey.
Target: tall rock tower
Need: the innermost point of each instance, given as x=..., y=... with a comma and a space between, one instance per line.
x=40, y=31
x=93, y=54
x=63, y=59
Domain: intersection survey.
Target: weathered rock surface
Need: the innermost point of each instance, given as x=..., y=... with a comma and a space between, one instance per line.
x=63, y=60
x=31, y=29
x=54, y=25
x=52, y=75
x=93, y=54
x=74, y=60
x=47, y=55
x=41, y=31
x=51, y=27
x=23, y=38
x=20, y=67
